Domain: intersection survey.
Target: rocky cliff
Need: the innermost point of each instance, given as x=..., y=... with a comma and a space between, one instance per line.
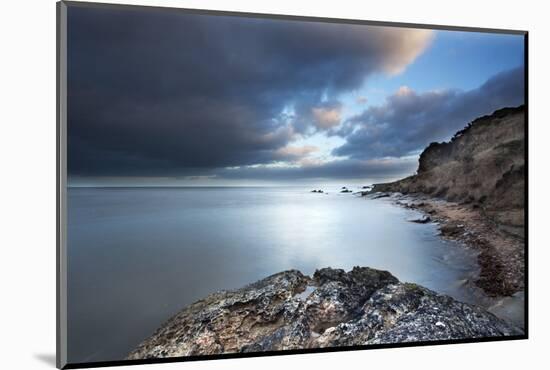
x=289, y=310
x=482, y=165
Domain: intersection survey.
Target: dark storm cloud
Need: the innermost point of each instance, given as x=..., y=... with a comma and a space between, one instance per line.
x=157, y=93
x=409, y=121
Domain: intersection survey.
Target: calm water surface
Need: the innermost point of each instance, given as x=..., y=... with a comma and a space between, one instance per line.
x=136, y=256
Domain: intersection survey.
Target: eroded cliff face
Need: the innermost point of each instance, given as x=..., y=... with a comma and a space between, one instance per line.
x=483, y=165
x=289, y=310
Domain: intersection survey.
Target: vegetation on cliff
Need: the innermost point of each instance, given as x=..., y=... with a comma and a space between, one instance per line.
x=482, y=165
x=480, y=173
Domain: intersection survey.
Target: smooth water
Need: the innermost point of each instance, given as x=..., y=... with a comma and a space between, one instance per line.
x=136, y=256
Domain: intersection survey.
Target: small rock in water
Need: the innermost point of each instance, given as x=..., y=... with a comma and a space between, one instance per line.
x=422, y=220
x=379, y=195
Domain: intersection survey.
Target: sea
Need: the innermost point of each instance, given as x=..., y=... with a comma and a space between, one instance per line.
x=138, y=255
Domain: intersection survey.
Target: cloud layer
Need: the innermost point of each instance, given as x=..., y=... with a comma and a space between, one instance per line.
x=408, y=120
x=374, y=170
x=166, y=94
x=157, y=94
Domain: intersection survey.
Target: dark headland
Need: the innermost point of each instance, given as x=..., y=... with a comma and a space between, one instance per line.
x=473, y=186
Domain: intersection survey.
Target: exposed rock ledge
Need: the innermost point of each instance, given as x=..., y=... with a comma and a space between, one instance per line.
x=289, y=310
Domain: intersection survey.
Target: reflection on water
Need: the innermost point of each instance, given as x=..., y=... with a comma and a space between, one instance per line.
x=138, y=255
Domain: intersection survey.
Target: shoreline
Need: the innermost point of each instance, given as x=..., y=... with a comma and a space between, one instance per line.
x=500, y=254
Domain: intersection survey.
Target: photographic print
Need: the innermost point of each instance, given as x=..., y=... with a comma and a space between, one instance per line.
x=239, y=184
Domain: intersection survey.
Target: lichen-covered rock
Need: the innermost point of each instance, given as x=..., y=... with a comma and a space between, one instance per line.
x=334, y=308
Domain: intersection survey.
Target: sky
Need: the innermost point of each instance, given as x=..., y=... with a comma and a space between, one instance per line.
x=158, y=97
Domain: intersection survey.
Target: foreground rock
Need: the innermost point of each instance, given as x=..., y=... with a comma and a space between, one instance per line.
x=291, y=311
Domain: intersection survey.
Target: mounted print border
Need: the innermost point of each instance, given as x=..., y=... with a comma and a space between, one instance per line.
x=284, y=311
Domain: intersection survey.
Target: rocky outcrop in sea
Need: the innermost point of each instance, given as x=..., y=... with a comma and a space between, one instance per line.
x=334, y=308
